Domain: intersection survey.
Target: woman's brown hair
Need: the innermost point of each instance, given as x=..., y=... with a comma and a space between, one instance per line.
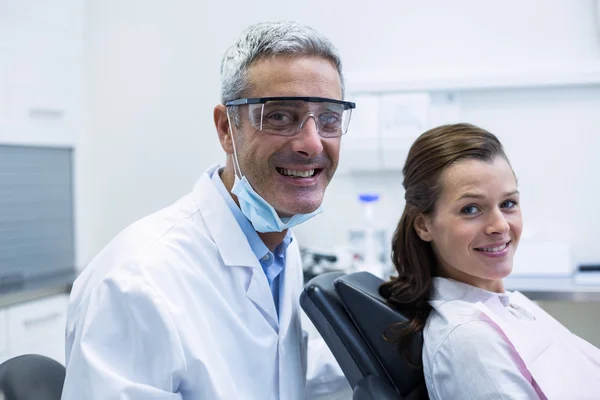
x=412, y=257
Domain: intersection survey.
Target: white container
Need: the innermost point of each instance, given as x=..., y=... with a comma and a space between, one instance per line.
x=370, y=253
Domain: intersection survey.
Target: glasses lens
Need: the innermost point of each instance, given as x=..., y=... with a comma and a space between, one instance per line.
x=331, y=120
x=286, y=117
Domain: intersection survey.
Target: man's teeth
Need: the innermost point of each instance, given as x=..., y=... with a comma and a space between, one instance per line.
x=293, y=172
x=493, y=249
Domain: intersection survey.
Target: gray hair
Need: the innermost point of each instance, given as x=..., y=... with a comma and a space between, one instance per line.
x=271, y=39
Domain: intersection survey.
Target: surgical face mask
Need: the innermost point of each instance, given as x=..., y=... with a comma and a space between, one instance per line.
x=259, y=212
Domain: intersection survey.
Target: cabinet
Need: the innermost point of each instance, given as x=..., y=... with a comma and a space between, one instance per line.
x=41, y=97
x=385, y=125
x=36, y=326
x=3, y=333
x=395, y=107
x=40, y=71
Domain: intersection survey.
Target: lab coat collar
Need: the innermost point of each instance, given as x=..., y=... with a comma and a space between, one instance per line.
x=256, y=244
x=232, y=244
x=221, y=223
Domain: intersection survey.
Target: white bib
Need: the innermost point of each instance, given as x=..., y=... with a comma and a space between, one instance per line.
x=563, y=365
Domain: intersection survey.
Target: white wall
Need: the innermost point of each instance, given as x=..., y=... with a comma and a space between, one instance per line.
x=153, y=79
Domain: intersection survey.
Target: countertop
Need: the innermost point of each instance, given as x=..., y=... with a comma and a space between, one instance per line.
x=554, y=289
x=35, y=289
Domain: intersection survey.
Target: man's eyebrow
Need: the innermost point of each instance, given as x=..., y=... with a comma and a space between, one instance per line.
x=480, y=196
x=287, y=103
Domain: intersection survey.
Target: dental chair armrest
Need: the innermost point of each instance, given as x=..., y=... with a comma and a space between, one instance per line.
x=374, y=388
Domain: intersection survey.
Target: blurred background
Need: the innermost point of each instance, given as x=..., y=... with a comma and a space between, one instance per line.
x=106, y=116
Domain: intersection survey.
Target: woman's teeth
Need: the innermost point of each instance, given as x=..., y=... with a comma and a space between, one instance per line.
x=293, y=172
x=493, y=249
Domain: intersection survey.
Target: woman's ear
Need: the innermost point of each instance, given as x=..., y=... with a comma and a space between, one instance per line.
x=222, y=125
x=423, y=227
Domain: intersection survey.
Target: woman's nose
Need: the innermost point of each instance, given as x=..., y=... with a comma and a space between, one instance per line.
x=498, y=223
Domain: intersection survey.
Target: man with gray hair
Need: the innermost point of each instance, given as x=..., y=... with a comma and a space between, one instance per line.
x=201, y=300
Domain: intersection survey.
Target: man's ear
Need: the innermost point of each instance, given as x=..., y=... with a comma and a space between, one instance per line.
x=423, y=227
x=222, y=125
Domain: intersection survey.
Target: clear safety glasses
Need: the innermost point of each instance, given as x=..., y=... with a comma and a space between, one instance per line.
x=286, y=116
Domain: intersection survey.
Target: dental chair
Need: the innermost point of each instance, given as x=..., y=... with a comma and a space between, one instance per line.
x=31, y=377
x=352, y=318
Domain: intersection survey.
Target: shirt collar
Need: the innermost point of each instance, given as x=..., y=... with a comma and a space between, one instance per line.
x=256, y=244
x=449, y=289
x=282, y=247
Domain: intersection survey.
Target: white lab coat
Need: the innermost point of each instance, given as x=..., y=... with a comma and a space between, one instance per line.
x=178, y=307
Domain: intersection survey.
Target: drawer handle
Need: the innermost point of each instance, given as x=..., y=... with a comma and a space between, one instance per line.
x=41, y=320
x=46, y=113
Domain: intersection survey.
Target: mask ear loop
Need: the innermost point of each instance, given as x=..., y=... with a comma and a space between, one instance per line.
x=236, y=163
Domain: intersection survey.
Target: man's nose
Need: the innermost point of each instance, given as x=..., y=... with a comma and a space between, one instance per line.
x=307, y=141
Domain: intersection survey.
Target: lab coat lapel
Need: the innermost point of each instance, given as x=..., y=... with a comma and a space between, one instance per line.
x=233, y=245
x=292, y=358
x=260, y=293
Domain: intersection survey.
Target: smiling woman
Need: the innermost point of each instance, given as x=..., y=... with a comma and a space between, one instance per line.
x=474, y=228
x=453, y=246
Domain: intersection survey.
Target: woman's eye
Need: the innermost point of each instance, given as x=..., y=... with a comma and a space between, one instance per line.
x=470, y=210
x=509, y=204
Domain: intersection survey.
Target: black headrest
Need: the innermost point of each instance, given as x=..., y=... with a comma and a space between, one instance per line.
x=32, y=377
x=324, y=307
x=360, y=295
